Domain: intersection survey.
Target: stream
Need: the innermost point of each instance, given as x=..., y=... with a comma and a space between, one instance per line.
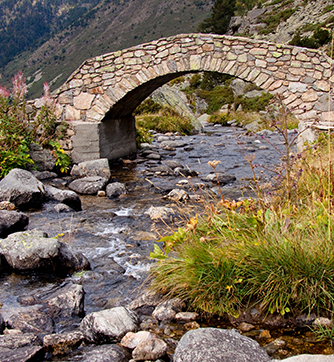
x=116, y=235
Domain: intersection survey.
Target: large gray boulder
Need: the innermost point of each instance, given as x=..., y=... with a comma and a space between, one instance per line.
x=22, y=189
x=107, y=353
x=33, y=250
x=109, y=325
x=98, y=167
x=88, y=185
x=12, y=221
x=218, y=345
x=66, y=197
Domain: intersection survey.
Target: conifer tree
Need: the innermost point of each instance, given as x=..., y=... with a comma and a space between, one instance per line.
x=221, y=14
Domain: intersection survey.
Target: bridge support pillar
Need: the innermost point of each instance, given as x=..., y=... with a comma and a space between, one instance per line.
x=111, y=139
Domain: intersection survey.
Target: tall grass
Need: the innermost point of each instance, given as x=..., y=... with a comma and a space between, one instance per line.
x=275, y=253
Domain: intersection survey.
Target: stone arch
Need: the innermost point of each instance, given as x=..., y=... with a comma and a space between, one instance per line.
x=100, y=96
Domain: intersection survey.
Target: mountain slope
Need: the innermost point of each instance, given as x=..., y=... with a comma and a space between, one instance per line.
x=63, y=41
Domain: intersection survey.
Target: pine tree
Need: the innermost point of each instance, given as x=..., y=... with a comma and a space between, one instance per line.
x=221, y=14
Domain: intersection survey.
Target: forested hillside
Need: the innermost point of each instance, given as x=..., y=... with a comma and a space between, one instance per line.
x=48, y=39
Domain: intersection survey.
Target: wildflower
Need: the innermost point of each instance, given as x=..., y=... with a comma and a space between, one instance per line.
x=4, y=92
x=214, y=163
x=19, y=86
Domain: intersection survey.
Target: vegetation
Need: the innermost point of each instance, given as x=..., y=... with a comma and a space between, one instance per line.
x=221, y=14
x=19, y=129
x=258, y=103
x=319, y=38
x=274, y=251
x=272, y=20
x=166, y=120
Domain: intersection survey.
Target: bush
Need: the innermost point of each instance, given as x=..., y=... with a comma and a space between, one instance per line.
x=216, y=98
x=256, y=104
x=18, y=129
x=220, y=118
x=148, y=106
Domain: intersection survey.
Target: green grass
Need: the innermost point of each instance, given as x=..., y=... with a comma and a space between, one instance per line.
x=276, y=251
x=166, y=120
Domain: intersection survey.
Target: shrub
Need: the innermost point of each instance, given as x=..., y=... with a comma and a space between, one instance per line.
x=148, y=106
x=216, y=98
x=177, y=80
x=256, y=104
x=18, y=129
x=168, y=120
x=220, y=118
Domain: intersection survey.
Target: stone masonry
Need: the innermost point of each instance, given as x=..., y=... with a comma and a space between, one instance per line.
x=104, y=91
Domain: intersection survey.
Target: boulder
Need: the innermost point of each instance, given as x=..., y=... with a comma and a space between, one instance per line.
x=98, y=167
x=43, y=159
x=220, y=177
x=160, y=212
x=185, y=172
x=177, y=195
x=172, y=164
x=22, y=189
x=88, y=185
x=218, y=345
x=19, y=340
x=43, y=175
x=145, y=303
x=131, y=340
x=33, y=250
x=12, y=221
x=24, y=354
x=66, y=197
x=186, y=317
x=31, y=320
x=2, y=324
x=172, y=144
x=62, y=208
x=150, y=349
x=68, y=301
x=166, y=311
x=107, y=353
x=62, y=343
x=115, y=189
x=109, y=325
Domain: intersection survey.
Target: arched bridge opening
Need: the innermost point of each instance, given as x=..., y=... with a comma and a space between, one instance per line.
x=101, y=95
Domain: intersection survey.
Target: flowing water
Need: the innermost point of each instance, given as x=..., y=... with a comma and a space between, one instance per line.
x=116, y=235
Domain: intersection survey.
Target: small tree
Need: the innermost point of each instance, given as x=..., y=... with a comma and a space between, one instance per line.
x=220, y=18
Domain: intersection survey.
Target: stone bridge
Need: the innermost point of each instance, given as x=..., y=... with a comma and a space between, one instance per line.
x=99, y=98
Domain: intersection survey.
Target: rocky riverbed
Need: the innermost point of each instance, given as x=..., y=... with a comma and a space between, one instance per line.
x=66, y=314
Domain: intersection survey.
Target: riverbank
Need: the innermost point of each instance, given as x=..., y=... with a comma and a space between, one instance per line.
x=117, y=235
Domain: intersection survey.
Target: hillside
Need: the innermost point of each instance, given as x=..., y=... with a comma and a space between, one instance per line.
x=300, y=22
x=48, y=39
